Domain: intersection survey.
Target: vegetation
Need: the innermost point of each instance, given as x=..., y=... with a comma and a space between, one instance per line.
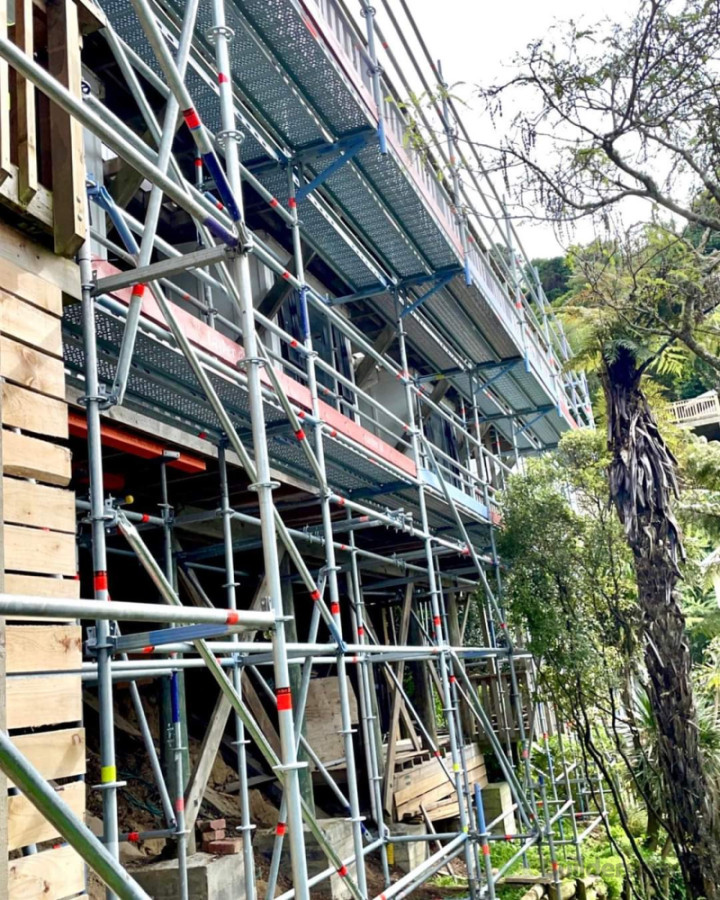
x=610, y=113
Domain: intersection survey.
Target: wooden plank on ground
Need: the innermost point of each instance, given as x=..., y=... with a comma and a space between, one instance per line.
x=38, y=700
x=25, y=409
x=55, y=754
x=29, y=324
x=32, y=368
x=27, y=503
x=52, y=874
x=28, y=826
x=29, y=457
x=42, y=648
x=42, y=552
x=442, y=791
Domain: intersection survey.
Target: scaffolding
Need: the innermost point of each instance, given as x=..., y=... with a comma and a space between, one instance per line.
x=292, y=103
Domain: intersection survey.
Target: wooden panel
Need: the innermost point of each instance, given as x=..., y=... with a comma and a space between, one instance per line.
x=27, y=826
x=27, y=323
x=55, y=754
x=31, y=368
x=29, y=457
x=51, y=875
x=24, y=409
x=323, y=720
x=37, y=586
x=41, y=552
x=31, y=261
x=27, y=503
x=43, y=700
x=42, y=648
x=27, y=286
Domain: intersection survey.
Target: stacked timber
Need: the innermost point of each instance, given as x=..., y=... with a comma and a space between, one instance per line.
x=43, y=708
x=424, y=788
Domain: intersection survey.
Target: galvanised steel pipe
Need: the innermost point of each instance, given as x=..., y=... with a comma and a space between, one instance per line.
x=42, y=607
x=331, y=563
x=420, y=873
x=78, y=835
x=105, y=611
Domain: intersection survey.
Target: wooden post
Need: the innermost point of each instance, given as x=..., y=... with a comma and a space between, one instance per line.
x=5, y=165
x=68, y=157
x=25, y=101
x=393, y=732
x=424, y=701
x=288, y=601
x=467, y=720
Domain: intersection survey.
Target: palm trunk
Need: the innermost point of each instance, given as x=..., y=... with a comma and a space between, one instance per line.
x=642, y=486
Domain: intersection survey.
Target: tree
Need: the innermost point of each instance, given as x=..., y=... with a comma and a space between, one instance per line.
x=610, y=113
x=554, y=274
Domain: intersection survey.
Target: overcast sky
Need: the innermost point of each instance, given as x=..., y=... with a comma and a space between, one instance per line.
x=476, y=42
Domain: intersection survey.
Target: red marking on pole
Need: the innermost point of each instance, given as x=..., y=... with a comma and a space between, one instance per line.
x=361, y=631
x=292, y=203
x=524, y=754
x=273, y=201
x=202, y=435
x=301, y=414
x=293, y=343
x=343, y=546
x=198, y=162
x=138, y=290
x=145, y=517
x=503, y=625
x=453, y=679
x=486, y=850
x=134, y=837
x=364, y=519
x=284, y=699
x=179, y=804
x=310, y=27
x=340, y=501
x=436, y=620
x=335, y=609
x=342, y=871
x=300, y=434
x=192, y=119
x=232, y=617
x=466, y=551
x=554, y=865
x=438, y=754
x=222, y=78
x=100, y=582
x=146, y=650
x=545, y=737
x=508, y=837
x=76, y=576
x=219, y=205
x=333, y=433
x=281, y=829
x=315, y=595
x=286, y=275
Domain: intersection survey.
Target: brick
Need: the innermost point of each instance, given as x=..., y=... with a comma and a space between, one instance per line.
x=208, y=836
x=225, y=848
x=212, y=825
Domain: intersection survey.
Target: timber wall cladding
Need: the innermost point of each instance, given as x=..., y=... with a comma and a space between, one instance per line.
x=44, y=702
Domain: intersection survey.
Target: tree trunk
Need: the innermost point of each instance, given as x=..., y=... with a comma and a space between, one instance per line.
x=642, y=486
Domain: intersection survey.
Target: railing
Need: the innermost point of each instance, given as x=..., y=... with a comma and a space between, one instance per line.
x=697, y=411
x=546, y=343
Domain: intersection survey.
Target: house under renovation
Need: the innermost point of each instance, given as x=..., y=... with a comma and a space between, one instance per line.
x=269, y=348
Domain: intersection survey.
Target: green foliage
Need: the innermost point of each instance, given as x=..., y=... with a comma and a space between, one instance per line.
x=554, y=275
x=569, y=580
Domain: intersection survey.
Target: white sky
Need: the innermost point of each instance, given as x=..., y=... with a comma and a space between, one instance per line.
x=476, y=42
